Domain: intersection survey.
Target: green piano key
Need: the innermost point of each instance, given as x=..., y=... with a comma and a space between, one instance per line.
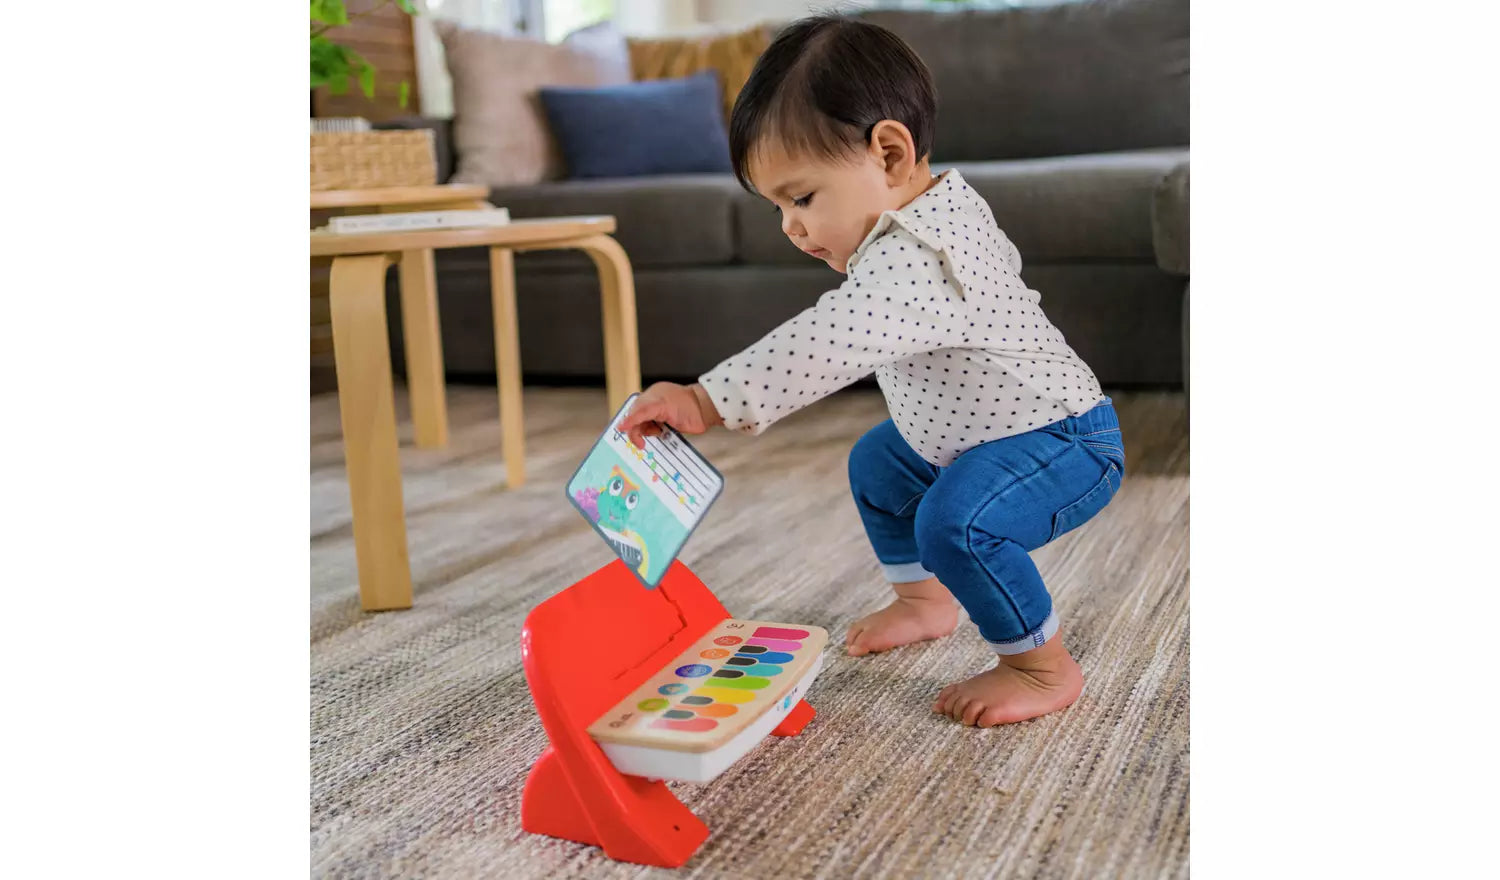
x=748, y=683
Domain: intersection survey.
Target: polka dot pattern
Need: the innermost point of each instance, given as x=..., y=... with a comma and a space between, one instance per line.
x=934, y=305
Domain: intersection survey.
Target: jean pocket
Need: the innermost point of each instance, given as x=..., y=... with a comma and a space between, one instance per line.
x=1108, y=444
x=1084, y=509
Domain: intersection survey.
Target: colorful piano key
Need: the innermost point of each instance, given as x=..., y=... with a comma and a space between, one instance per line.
x=778, y=632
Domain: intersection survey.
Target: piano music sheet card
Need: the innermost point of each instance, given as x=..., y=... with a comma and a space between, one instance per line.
x=644, y=503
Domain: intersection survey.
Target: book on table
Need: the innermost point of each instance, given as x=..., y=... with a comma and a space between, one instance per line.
x=354, y=224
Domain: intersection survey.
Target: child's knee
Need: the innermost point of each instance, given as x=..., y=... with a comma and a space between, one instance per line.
x=941, y=531
x=952, y=524
x=872, y=453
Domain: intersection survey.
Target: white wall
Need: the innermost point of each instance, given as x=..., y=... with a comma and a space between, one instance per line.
x=649, y=18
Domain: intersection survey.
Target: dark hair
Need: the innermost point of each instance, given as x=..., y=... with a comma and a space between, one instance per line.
x=821, y=86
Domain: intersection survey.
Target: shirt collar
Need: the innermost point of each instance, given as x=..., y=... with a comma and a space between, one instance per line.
x=949, y=192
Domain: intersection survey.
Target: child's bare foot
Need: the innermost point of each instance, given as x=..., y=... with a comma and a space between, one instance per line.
x=922, y=610
x=1021, y=686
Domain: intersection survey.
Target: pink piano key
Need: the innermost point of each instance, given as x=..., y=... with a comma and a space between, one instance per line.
x=778, y=632
x=776, y=644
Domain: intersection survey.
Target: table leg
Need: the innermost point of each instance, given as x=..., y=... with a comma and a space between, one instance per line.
x=424, y=349
x=367, y=410
x=622, y=358
x=508, y=364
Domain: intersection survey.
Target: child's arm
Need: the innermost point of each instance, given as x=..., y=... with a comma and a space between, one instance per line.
x=897, y=303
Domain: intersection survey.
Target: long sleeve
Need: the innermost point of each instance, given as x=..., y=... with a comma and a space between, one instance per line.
x=898, y=302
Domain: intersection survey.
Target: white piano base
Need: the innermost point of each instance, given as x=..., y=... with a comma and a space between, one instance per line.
x=701, y=767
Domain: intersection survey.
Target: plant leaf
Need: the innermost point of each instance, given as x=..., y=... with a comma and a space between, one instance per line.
x=403, y=92
x=328, y=62
x=367, y=79
x=407, y=6
x=329, y=12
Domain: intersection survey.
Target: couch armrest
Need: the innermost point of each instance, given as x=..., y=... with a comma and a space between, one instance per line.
x=1169, y=221
x=442, y=139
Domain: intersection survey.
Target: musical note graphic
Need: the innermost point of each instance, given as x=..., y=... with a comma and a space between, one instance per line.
x=673, y=471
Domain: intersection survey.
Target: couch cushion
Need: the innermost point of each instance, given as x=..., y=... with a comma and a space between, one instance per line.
x=731, y=55
x=758, y=236
x=665, y=126
x=1071, y=208
x=1055, y=79
x=1058, y=210
x=668, y=220
x=1169, y=221
x=499, y=131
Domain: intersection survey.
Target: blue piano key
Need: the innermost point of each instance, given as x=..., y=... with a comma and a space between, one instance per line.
x=771, y=657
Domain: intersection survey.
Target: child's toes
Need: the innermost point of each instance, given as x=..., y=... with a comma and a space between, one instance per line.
x=972, y=711
x=941, y=703
x=992, y=717
x=854, y=641
x=956, y=708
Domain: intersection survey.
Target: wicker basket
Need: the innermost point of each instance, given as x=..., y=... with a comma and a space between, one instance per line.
x=372, y=159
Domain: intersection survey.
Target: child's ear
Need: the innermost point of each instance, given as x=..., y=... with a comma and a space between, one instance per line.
x=892, y=146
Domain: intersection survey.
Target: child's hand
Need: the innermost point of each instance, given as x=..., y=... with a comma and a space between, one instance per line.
x=688, y=409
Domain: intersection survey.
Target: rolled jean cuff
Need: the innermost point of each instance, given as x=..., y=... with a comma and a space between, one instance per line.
x=1034, y=639
x=905, y=572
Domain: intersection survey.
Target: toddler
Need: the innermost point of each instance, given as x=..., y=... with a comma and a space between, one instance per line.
x=999, y=440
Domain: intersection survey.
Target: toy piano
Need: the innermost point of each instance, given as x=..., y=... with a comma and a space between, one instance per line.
x=634, y=686
x=714, y=702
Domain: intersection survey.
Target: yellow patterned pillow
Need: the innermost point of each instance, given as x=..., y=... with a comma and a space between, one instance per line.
x=732, y=55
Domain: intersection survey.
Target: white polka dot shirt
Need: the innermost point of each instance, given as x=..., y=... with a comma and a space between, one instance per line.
x=934, y=305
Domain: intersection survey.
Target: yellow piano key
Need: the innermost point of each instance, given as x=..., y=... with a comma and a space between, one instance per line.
x=726, y=695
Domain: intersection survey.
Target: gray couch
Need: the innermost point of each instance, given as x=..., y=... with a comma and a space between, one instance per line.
x=1071, y=120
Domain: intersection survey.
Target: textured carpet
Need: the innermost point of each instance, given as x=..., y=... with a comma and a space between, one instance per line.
x=423, y=731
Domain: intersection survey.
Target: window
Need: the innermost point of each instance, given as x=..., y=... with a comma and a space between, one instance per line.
x=562, y=17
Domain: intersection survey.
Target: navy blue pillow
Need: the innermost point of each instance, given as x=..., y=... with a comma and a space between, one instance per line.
x=666, y=126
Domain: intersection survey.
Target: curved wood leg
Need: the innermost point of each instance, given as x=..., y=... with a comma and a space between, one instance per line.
x=508, y=364
x=424, y=349
x=367, y=410
x=622, y=358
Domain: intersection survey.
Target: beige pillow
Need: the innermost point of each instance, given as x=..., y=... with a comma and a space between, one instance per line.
x=499, y=129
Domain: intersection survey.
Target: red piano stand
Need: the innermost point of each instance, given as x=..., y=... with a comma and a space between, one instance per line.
x=585, y=649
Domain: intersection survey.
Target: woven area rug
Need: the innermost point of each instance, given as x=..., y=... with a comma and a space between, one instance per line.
x=423, y=730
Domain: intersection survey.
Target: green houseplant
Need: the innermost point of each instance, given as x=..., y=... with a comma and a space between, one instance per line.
x=334, y=65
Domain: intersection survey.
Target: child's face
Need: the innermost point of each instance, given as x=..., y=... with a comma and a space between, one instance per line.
x=827, y=207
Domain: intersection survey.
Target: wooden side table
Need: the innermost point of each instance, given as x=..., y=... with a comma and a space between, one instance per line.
x=363, y=364
x=419, y=310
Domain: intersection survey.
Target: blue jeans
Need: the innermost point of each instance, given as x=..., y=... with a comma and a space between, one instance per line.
x=973, y=523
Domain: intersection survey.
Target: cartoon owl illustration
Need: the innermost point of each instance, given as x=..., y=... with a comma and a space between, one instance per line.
x=614, y=502
x=617, y=500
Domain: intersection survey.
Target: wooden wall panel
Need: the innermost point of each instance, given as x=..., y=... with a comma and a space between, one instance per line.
x=384, y=38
